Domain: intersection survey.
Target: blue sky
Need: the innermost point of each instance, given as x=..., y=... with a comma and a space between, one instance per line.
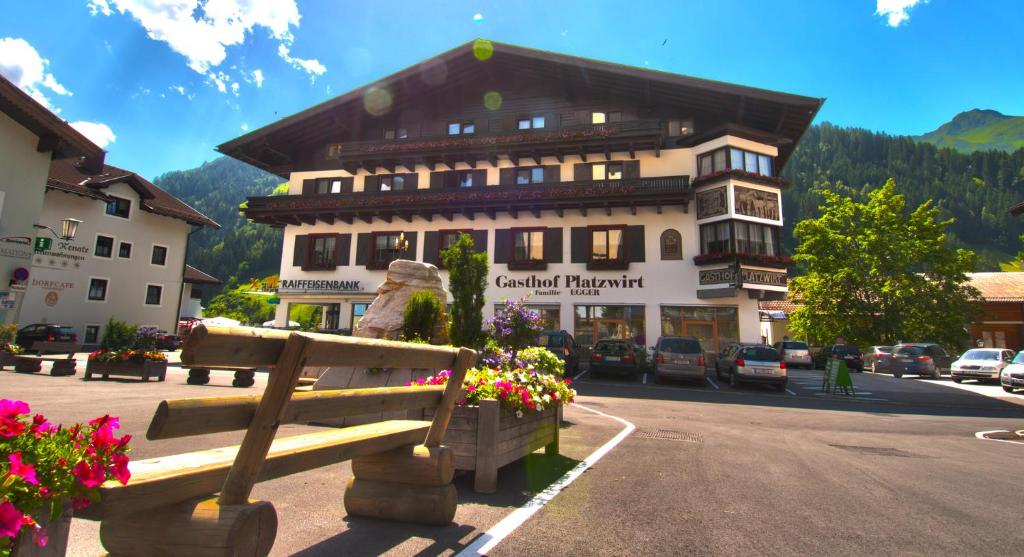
x=161, y=82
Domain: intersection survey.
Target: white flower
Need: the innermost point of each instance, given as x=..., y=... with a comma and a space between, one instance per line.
x=519, y=413
x=547, y=398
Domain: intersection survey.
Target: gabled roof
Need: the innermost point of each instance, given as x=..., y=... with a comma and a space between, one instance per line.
x=71, y=176
x=54, y=134
x=195, y=276
x=780, y=114
x=999, y=287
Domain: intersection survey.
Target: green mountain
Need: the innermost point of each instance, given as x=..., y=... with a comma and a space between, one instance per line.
x=974, y=188
x=239, y=251
x=978, y=130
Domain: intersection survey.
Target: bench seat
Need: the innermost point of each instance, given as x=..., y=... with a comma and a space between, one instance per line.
x=166, y=480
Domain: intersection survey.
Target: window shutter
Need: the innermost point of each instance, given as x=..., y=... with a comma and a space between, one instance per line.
x=363, y=248
x=507, y=176
x=430, y=247
x=301, y=246
x=371, y=184
x=635, y=243
x=342, y=247
x=346, y=185
x=552, y=173
x=579, y=246
x=412, y=181
x=581, y=171
x=502, y=245
x=451, y=179
x=411, y=253
x=584, y=117
x=309, y=186
x=553, y=245
x=479, y=241
x=436, y=180
x=631, y=169
x=480, y=177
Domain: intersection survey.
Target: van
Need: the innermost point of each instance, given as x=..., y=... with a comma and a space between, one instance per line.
x=679, y=358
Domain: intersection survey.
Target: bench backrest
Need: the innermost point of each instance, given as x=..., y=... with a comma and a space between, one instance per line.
x=288, y=353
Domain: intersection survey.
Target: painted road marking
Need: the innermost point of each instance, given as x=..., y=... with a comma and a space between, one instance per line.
x=491, y=538
x=981, y=435
x=790, y=392
x=713, y=384
x=645, y=379
x=580, y=374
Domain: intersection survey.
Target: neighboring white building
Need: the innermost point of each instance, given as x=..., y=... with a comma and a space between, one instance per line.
x=626, y=203
x=191, y=297
x=127, y=261
x=30, y=137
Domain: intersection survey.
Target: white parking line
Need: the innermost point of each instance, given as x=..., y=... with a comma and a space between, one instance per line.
x=645, y=379
x=491, y=538
x=790, y=392
x=580, y=374
x=981, y=435
x=713, y=384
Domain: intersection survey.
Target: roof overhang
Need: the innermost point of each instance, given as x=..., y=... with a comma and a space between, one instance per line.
x=55, y=135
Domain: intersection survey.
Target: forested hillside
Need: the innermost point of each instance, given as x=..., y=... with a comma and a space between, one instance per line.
x=240, y=250
x=979, y=130
x=974, y=188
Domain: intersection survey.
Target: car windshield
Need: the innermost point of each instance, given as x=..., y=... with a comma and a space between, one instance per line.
x=761, y=354
x=909, y=351
x=843, y=350
x=980, y=355
x=680, y=346
x=550, y=340
x=794, y=345
x=1019, y=358
x=612, y=347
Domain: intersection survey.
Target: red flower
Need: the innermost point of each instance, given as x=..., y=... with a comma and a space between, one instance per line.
x=89, y=476
x=12, y=408
x=79, y=503
x=10, y=428
x=10, y=520
x=40, y=426
x=24, y=471
x=120, y=468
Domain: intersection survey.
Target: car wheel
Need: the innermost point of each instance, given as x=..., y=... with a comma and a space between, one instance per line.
x=1008, y=389
x=781, y=387
x=937, y=374
x=734, y=380
x=956, y=379
x=897, y=375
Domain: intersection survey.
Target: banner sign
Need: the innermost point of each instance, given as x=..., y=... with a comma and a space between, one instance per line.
x=578, y=285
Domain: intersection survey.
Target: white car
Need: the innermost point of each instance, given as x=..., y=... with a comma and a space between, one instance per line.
x=983, y=364
x=1012, y=376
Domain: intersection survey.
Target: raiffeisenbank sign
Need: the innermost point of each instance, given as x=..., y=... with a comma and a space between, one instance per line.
x=578, y=285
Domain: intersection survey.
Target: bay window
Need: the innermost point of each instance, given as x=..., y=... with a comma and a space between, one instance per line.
x=750, y=238
x=732, y=158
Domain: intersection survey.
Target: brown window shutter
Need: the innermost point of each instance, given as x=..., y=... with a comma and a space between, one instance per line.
x=579, y=246
x=309, y=186
x=479, y=241
x=363, y=248
x=553, y=245
x=480, y=177
x=412, y=181
x=451, y=179
x=631, y=169
x=346, y=184
x=371, y=184
x=635, y=245
x=301, y=247
x=436, y=180
x=552, y=173
x=431, y=243
x=410, y=254
x=507, y=176
x=342, y=247
x=581, y=171
x=502, y=245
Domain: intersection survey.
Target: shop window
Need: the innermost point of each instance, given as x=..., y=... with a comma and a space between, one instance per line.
x=606, y=245
x=671, y=245
x=124, y=250
x=550, y=319
x=104, y=246
x=530, y=175
x=321, y=252
x=98, y=289
x=92, y=334
x=159, y=256
x=358, y=311
x=387, y=247
x=714, y=326
x=527, y=247
x=119, y=207
x=594, y=323
x=154, y=292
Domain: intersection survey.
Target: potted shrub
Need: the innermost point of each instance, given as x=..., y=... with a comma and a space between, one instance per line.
x=127, y=350
x=46, y=471
x=8, y=349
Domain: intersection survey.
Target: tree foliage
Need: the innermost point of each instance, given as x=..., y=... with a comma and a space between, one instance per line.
x=467, y=280
x=118, y=335
x=238, y=303
x=878, y=274
x=422, y=313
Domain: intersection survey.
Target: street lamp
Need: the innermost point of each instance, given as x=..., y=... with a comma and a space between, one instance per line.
x=68, y=228
x=401, y=244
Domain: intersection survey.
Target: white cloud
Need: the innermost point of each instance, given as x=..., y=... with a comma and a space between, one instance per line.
x=23, y=66
x=98, y=133
x=257, y=77
x=234, y=88
x=180, y=89
x=245, y=127
x=896, y=12
x=311, y=66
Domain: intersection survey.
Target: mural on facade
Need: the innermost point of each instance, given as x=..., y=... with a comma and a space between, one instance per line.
x=711, y=203
x=756, y=203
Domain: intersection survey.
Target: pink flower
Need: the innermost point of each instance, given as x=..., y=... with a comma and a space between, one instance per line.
x=44, y=492
x=24, y=471
x=120, y=468
x=79, y=503
x=40, y=537
x=10, y=427
x=107, y=420
x=103, y=437
x=89, y=476
x=10, y=520
x=12, y=408
x=40, y=426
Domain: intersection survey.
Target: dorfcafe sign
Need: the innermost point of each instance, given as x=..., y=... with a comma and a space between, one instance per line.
x=747, y=276
x=308, y=285
x=578, y=285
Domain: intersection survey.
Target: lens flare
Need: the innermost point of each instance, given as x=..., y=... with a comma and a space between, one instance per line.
x=478, y=18
x=377, y=101
x=492, y=100
x=483, y=49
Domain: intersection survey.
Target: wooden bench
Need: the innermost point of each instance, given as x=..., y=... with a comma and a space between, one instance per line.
x=65, y=365
x=401, y=471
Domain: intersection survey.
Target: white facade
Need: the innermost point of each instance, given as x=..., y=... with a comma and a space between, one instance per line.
x=59, y=289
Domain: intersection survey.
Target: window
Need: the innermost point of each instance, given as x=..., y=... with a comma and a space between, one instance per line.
x=393, y=182
x=358, y=311
x=528, y=246
x=159, y=256
x=98, y=289
x=716, y=238
x=605, y=117
x=104, y=246
x=464, y=128
x=530, y=123
x=328, y=185
x=606, y=171
x=92, y=334
x=465, y=179
x=124, y=251
x=395, y=133
x=153, y=294
x=738, y=159
x=321, y=251
x=387, y=247
x=119, y=207
x=671, y=245
x=447, y=239
x=531, y=175
x=757, y=239
x=606, y=244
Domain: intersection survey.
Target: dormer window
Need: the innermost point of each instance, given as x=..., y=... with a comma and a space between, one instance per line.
x=530, y=123
x=463, y=128
x=119, y=207
x=396, y=133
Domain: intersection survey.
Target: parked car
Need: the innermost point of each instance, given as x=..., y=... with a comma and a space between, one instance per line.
x=849, y=354
x=564, y=346
x=752, y=363
x=1012, y=376
x=983, y=364
x=919, y=358
x=615, y=356
x=167, y=341
x=46, y=332
x=678, y=358
x=878, y=358
x=795, y=353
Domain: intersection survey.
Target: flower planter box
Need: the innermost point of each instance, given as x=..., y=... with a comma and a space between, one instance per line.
x=57, y=533
x=487, y=437
x=143, y=370
x=7, y=359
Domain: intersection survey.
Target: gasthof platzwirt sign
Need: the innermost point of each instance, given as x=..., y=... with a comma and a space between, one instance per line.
x=578, y=285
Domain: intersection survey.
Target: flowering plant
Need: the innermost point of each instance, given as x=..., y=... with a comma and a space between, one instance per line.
x=146, y=337
x=128, y=355
x=42, y=466
x=10, y=347
x=519, y=390
x=514, y=326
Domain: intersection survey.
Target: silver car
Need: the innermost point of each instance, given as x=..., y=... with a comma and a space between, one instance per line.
x=983, y=364
x=795, y=353
x=679, y=358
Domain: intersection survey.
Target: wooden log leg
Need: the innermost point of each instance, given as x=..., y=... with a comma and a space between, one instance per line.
x=244, y=378
x=28, y=366
x=420, y=504
x=412, y=464
x=552, y=447
x=196, y=528
x=198, y=376
x=63, y=367
x=485, y=478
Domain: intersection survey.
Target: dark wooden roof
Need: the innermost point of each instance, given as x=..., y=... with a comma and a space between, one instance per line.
x=195, y=276
x=72, y=176
x=54, y=134
x=278, y=146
